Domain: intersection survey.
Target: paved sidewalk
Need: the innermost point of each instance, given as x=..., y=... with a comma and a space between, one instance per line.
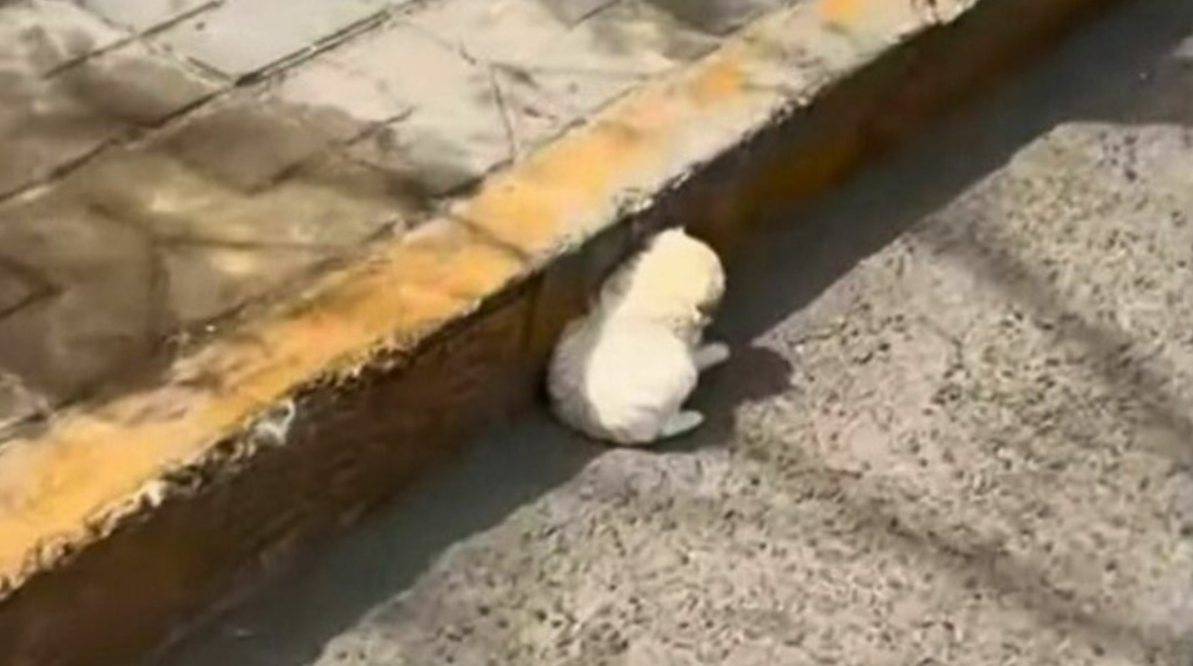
x=168, y=163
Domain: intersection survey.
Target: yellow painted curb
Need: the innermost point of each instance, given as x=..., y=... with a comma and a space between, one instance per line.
x=121, y=521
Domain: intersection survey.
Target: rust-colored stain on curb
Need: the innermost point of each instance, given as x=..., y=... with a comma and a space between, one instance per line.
x=88, y=462
x=66, y=485
x=721, y=80
x=570, y=188
x=843, y=11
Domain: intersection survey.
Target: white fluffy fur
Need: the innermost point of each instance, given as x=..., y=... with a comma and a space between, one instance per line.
x=622, y=372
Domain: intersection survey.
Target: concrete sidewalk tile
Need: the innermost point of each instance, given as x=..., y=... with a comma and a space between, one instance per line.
x=635, y=34
x=142, y=15
x=46, y=123
x=579, y=68
x=20, y=286
x=246, y=143
x=38, y=36
x=17, y=403
x=322, y=206
x=242, y=37
x=345, y=102
x=101, y=320
x=629, y=38
x=329, y=202
x=533, y=111
x=178, y=249
x=505, y=31
x=574, y=11
x=207, y=281
x=717, y=17
x=451, y=129
x=42, y=128
x=438, y=153
x=515, y=35
x=135, y=85
x=14, y=291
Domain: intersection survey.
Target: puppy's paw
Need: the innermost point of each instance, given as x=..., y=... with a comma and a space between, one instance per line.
x=711, y=354
x=681, y=424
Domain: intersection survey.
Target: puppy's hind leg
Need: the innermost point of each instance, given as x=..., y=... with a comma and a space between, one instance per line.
x=681, y=423
x=710, y=355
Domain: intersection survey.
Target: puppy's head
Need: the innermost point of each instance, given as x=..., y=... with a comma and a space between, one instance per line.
x=693, y=269
x=676, y=279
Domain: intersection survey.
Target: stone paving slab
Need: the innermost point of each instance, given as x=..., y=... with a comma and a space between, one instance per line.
x=51, y=123
x=239, y=38
x=259, y=269
x=37, y=37
x=145, y=15
x=124, y=120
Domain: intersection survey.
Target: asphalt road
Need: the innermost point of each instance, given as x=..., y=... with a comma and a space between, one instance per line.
x=958, y=430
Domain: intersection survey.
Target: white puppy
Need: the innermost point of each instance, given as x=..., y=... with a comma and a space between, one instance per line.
x=622, y=372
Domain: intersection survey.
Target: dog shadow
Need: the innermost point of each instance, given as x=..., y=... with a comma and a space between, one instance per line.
x=753, y=373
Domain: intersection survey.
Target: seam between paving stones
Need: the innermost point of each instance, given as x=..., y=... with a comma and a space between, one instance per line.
x=257, y=83
x=129, y=38
x=332, y=41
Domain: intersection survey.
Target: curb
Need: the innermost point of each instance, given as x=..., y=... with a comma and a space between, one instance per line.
x=122, y=523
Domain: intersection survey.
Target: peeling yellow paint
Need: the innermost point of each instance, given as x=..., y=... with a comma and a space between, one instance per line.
x=87, y=462
x=721, y=80
x=843, y=12
x=561, y=189
x=571, y=185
